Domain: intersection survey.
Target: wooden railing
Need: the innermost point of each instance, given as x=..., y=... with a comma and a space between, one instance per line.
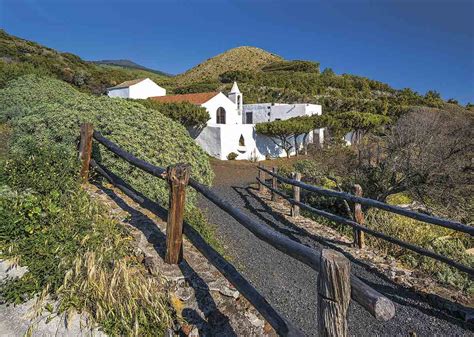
x=358, y=224
x=335, y=283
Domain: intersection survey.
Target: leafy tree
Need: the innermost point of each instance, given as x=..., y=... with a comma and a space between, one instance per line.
x=283, y=131
x=453, y=101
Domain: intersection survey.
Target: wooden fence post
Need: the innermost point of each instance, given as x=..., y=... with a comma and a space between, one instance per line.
x=261, y=176
x=178, y=178
x=295, y=209
x=274, y=183
x=359, y=239
x=85, y=149
x=334, y=294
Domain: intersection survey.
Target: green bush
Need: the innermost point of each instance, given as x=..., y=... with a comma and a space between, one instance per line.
x=188, y=114
x=49, y=111
x=296, y=65
x=232, y=156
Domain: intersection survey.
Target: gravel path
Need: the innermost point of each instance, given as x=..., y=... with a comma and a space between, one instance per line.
x=290, y=286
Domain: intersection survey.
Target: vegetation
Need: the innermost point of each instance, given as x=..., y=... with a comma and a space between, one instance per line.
x=41, y=109
x=241, y=58
x=187, y=114
x=422, y=160
x=20, y=57
x=232, y=156
x=75, y=253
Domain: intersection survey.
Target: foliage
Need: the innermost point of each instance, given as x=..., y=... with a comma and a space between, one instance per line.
x=72, y=249
x=241, y=58
x=48, y=111
x=438, y=239
x=232, y=156
x=281, y=133
x=296, y=65
x=21, y=57
x=188, y=114
x=196, y=88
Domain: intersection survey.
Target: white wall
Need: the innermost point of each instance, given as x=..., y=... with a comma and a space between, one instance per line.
x=221, y=100
x=146, y=88
x=122, y=93
x=221, y=139
x=267, y=112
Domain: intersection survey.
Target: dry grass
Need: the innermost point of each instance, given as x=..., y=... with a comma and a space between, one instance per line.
x=118, y=295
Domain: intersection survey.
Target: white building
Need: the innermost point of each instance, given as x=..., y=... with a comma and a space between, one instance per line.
x=137, y=89
x=231, y=127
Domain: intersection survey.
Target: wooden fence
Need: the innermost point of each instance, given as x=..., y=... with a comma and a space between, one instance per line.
x=336, y=285
x=358, y=224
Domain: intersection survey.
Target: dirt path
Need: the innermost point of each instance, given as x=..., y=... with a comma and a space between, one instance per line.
x=290, y=286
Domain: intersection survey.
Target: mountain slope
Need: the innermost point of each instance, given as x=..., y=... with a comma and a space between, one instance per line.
x=19, y=57
x=128, y=64
x=240, y=58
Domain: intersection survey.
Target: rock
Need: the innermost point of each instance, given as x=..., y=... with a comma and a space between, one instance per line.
x=226, y=291
x=194, y=333
x=150, y=264
x=254, y=320
x=184, y=293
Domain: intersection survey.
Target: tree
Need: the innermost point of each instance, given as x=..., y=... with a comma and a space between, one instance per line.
x=188, y=114
x=280, y=130
x=428, y=153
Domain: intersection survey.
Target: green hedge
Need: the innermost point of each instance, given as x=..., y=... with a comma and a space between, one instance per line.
x=44, y=110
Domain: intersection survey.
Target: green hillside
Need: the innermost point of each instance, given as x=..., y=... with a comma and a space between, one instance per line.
x=265, y=77
x=127, y=64
x=241, y=58
x=19, y=57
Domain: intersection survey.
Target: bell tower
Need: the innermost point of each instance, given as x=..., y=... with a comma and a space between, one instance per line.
x=236, y=96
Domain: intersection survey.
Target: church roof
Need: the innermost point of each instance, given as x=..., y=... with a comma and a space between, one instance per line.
x=127, y=84
x=199, y=98
x=235, y=89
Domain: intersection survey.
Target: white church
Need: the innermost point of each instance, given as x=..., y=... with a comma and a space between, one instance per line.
x=231, y=127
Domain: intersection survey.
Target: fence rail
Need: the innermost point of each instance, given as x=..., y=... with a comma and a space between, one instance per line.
x=367, y=202
x=374, y=302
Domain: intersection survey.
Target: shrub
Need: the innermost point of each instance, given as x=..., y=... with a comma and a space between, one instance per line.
x=188, y=114
x=232, y=156
x=48, y=111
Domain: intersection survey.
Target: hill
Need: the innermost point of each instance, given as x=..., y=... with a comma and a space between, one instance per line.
x=128, y=64
x=19, y=57
x=240, y=58
x=266, y=77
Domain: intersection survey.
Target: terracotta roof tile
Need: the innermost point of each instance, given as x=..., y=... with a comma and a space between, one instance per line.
x=198, y=98
x=127, y=84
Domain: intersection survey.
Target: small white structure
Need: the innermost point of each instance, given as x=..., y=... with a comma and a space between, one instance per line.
x=137, y=89
x=231, y=126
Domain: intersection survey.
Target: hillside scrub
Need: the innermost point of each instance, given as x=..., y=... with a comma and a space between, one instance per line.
x=46, y=110
x=21, y=57
x=185, y=113
x=422, y=160
x=75, y=253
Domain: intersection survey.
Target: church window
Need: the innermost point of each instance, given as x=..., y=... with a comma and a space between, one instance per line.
x=220, y=116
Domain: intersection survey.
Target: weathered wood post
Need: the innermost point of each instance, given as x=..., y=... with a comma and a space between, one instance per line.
x=261, y=177
x=359, y=239
x=295, y=209
x=85, y=149
x=334, y=294
x=178, y=178
x=274, y=184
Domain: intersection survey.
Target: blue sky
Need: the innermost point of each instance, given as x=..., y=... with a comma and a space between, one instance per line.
x=411, y=43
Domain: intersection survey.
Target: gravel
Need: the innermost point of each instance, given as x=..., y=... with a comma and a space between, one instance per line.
x=290, y=286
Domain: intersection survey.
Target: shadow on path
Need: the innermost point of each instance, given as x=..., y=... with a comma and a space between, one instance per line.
x=438, y=307
x=158, y=240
